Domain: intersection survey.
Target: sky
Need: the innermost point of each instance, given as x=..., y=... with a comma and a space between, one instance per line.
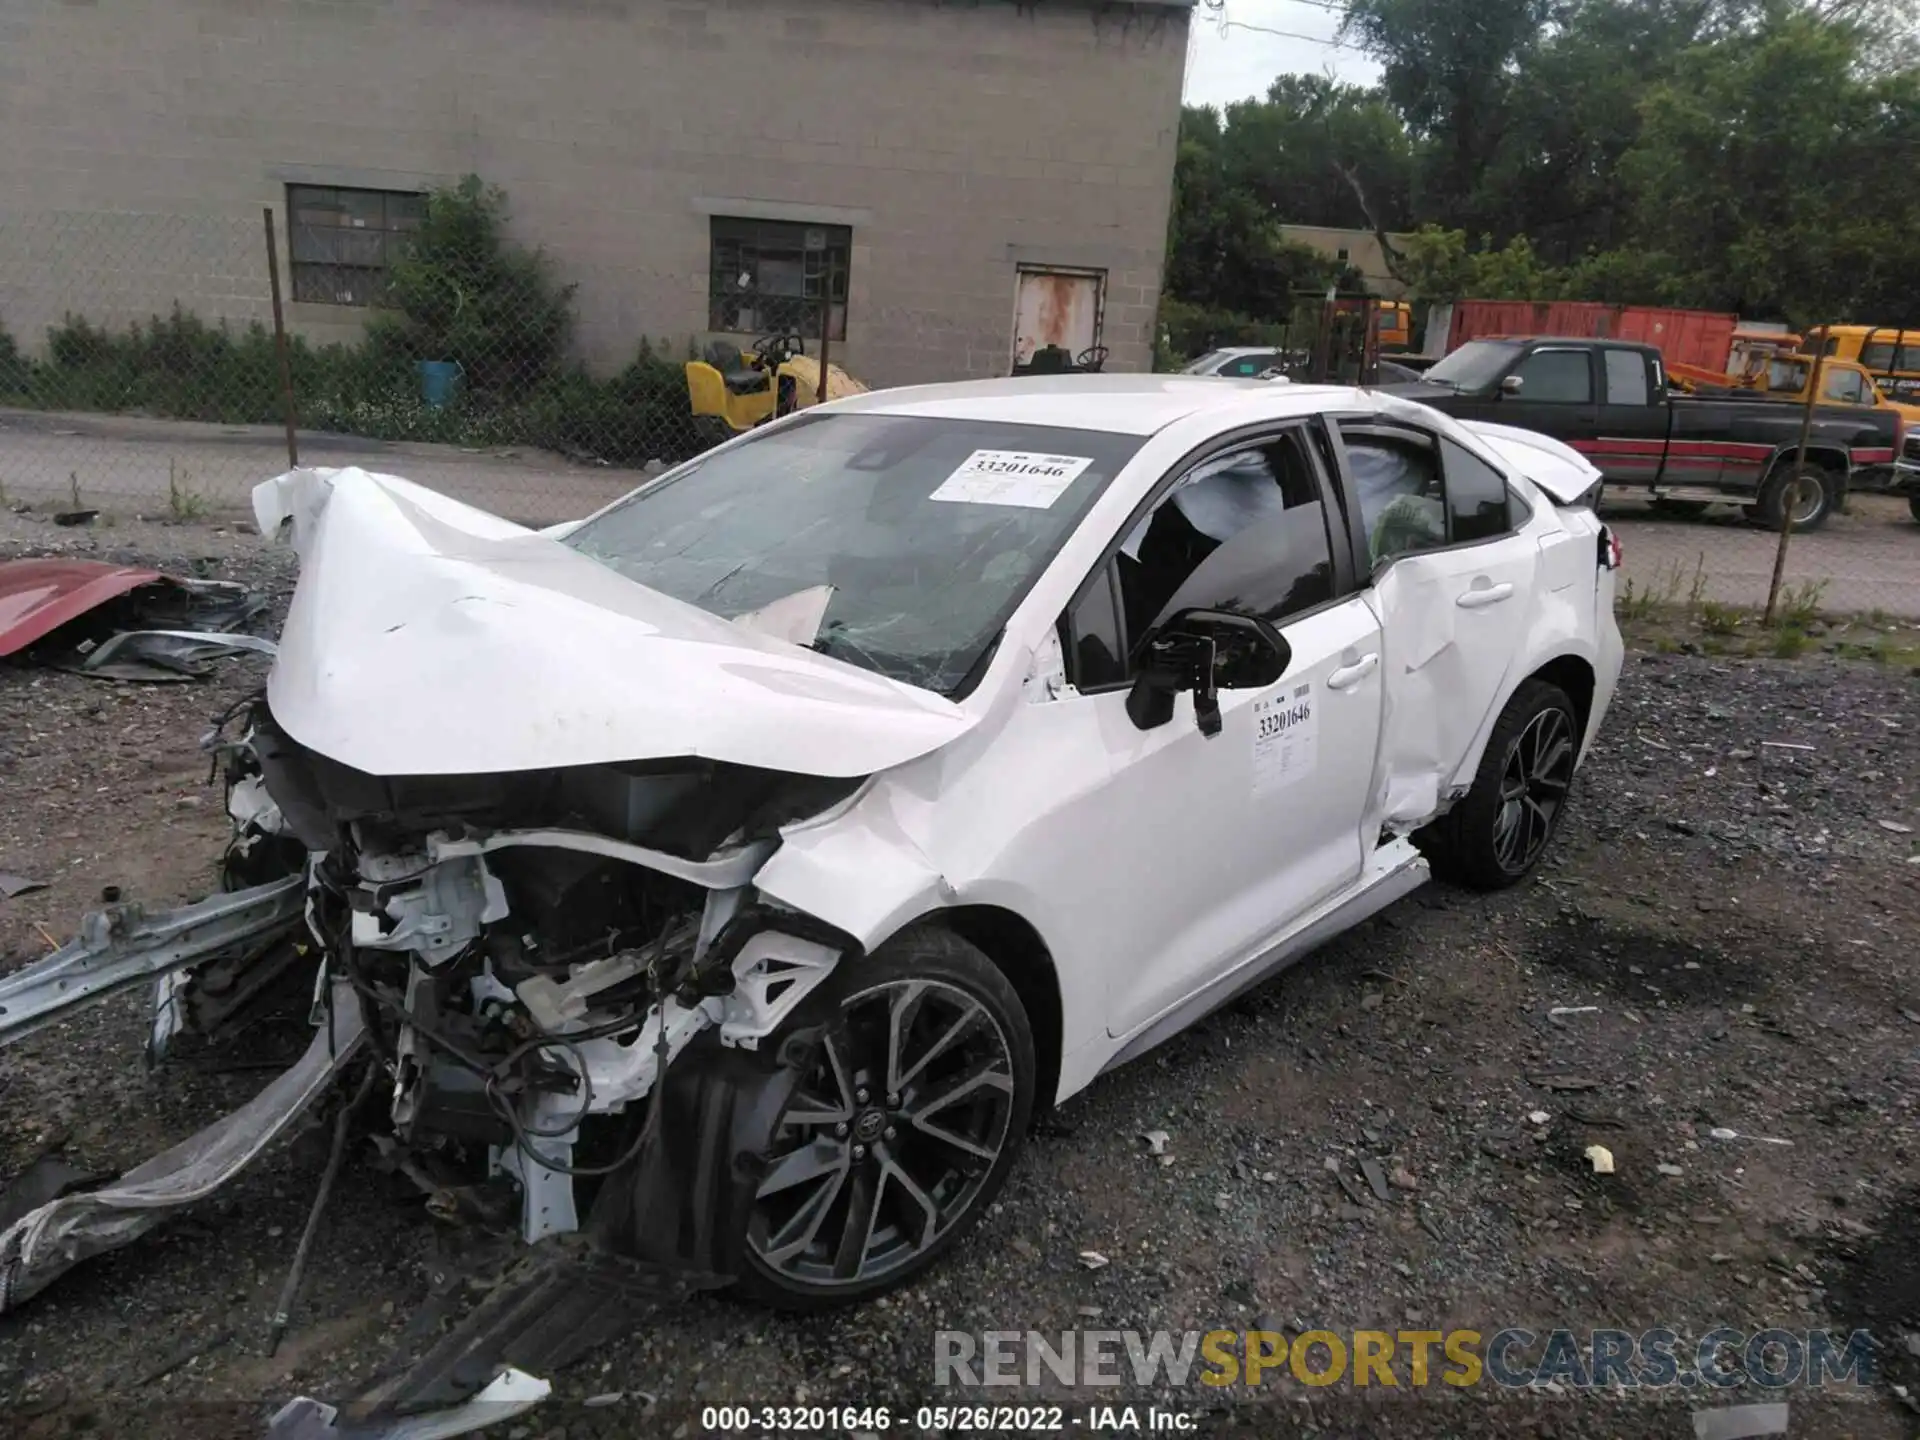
x=1235, y=62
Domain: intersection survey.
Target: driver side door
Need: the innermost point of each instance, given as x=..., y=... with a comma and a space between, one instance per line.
x=1216, y=844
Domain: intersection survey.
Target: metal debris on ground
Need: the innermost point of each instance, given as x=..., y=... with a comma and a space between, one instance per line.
x=1564, y=1082
x=59, y=611
x=161, y=655
x=12, y=885
x=510, y=1393
x=1156, y=1141
x=290, y=1290
x=1740, y=1422
x=1720, y=1132
x=1094, y=1260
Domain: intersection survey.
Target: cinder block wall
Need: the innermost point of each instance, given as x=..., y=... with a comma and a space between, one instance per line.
x=959, y=140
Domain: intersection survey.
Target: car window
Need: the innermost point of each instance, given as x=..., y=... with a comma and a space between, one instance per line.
x=1848, y=387
x=928, y=531
x=1626, y=378
x=1243, y=366
x=1478, y=507
x=1090, y=635
x=1245, y=530
x=1556, y=377
x=1402, y=505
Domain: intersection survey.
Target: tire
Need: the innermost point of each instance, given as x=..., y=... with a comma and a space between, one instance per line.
x=1472, y=844
x=1815, y=509
x=1679, y=509
x=1913, y=506
x=892, y=1150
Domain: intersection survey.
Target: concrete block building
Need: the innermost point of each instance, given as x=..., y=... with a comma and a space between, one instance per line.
x=967, y=179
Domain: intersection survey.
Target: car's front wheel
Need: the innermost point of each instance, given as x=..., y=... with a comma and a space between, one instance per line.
x=1495, y=835
x=903, y=1130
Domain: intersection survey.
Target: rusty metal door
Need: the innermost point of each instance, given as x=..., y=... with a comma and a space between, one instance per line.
x=1056, y=308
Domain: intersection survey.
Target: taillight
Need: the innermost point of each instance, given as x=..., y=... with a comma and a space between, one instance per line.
x=1610, y=553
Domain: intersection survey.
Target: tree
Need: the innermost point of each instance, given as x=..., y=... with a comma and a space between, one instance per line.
x=1225, y=251
x=462, y=292
x=1752, y=155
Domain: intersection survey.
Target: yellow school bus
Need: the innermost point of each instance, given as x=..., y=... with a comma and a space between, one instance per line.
x=1891, y=356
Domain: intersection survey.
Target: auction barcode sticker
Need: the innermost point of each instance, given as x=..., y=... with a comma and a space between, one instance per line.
x=1286, y=736
x=1012, y=477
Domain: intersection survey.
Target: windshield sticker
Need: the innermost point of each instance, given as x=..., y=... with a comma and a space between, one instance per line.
x=1012, y=477
x=1286, y=730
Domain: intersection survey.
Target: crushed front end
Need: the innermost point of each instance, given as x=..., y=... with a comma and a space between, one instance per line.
x=533, y=951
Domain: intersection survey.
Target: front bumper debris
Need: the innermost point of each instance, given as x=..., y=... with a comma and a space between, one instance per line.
x=49, y=1240
x=124, y=946
x=510, y=1393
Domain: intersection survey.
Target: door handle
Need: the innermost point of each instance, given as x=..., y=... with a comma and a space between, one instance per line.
x=1348, y=676
x=1492, y=595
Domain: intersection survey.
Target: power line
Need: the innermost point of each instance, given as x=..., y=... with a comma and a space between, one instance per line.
x=1226, y=23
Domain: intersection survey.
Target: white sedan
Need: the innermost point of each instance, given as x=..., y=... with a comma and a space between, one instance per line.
x=732, y=875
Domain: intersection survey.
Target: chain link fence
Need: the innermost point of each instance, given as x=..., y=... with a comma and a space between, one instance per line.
x=139, y=371
x=139, y=375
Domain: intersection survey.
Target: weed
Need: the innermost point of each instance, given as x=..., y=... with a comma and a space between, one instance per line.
x=1789, y=643
x=182, y=502
x=1697, y=591
x=1718, y=619
x=1800, y=604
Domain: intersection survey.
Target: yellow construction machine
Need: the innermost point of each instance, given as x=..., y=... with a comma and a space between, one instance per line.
x=745, y=388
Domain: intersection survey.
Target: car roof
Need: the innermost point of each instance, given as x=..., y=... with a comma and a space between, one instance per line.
x=1116, y=404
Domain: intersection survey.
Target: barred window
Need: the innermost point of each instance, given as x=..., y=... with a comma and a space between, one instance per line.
x=341, y=242
x=769, y=276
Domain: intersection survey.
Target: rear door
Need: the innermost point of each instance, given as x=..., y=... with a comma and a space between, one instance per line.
x=1453, y=586
x=1629, y=437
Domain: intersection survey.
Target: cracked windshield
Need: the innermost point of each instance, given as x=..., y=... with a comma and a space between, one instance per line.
x=927, y=531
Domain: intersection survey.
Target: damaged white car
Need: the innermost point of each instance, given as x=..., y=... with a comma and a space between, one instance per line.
x=731, y=876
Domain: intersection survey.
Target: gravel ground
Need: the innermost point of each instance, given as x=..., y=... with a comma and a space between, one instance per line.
x=1727, y=909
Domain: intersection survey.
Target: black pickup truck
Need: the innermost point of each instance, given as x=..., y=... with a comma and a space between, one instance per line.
x=1609, y=400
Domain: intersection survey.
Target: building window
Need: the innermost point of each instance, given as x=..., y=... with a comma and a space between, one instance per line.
x=769, y=277
x=340, y=243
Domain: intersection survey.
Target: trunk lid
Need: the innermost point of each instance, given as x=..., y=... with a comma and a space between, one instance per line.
x=1554, y=466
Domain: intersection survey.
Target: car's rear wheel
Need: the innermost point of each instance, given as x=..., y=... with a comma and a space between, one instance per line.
x=1498, y=831
x=903, y=1131
x=1819, y=494
x=1913, y=505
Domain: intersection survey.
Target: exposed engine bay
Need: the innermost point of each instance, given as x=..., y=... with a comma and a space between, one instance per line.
x=531, y=951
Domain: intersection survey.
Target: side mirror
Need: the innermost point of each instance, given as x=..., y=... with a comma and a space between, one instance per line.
x=1205, y=651
x=1511, y=384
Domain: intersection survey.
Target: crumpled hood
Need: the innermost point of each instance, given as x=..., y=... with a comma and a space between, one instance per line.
x=427, y=637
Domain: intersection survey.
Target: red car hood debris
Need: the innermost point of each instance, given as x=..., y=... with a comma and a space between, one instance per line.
x=39, y=596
